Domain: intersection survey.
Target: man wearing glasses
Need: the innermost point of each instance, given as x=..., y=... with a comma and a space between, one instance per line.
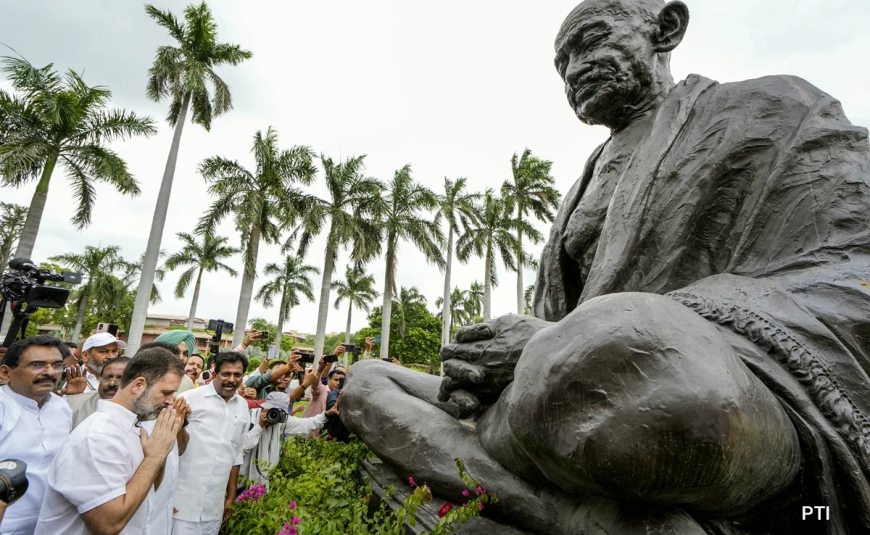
x=33, y=422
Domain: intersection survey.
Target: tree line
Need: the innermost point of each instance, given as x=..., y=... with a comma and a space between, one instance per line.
x=51, y=121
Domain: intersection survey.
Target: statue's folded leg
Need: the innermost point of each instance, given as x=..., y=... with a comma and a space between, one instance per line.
x=637, y=398
x=397, y=413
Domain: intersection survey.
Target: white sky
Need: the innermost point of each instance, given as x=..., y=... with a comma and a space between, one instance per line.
x=453, y=88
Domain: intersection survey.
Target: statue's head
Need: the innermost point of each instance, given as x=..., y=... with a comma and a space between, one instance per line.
x=614, y=57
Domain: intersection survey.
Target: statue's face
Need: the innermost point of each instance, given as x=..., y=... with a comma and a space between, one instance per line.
x=605, y=56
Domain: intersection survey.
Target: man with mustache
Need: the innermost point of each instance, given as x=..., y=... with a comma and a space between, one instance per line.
x=109, y=465
x=194, y=366
x=697, y=361
x=33, y=421
x=83, y=405
x=208, y=479
x=97, y=350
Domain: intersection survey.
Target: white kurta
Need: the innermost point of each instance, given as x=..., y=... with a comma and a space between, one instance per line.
x=162, y=500
x=35, y=437
x=217, y=430
x=265, y=444
x=93, y=468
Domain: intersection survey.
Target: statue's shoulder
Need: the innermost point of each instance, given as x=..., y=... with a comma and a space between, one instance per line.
x=783, y=92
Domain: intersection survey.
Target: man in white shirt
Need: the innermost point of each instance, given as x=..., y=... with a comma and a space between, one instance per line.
x=207, y=480
x=83, y=405
x=96, y=352
x=264, y=441
x=33, y=422
x=109, y=464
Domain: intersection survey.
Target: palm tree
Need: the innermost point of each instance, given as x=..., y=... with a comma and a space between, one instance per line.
x=474, y=301
x=489, y=237
x=202, y=256
x=408, y=298
x=288, y=281
x=53, y=120
x=346, y=212
x=401, y=219
x=262, y=201
x=358, y=289
x=458, y=313
x=532, y=190
x=95, y=264
x=528, y=297
x=457, y=207
x=11, y=224
x=182, y=73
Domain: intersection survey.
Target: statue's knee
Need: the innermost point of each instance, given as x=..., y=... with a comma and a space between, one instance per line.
x=636, y=397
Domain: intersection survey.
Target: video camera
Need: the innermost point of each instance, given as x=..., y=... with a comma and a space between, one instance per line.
x=26, y=292
x=219, y=327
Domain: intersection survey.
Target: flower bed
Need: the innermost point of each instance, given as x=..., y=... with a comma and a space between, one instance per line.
x=316, y=489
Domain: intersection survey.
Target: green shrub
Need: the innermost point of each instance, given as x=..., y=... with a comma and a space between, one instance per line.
x=317, y=483
x=253, y=364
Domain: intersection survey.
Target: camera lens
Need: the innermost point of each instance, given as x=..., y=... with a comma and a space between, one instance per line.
x=13, y=480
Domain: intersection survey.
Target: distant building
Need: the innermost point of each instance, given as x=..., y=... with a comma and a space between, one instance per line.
x=173, y=320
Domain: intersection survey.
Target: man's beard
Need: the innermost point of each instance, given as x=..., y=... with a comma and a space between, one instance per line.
x=96, y=370
x=144, y=408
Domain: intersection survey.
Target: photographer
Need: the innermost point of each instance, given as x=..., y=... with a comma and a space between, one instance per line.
x=33, y=422
x=276, y=379
x=319, y=391
x=269, y=425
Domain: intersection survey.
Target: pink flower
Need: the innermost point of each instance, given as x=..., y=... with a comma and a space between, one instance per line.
x=292, y=504
x=465, y=492
x=411, y=482
x=446, y=508
x=479, y=490
x=481, y=506
x=295, y=520
x=463, y=506
x=287, y=530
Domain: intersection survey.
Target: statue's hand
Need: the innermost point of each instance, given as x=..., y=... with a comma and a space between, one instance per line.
x=480, y=365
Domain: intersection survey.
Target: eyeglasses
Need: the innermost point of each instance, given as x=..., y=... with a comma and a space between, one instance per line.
x=39, y=367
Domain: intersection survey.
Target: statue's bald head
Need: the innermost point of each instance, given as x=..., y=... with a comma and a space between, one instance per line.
x=614, y=55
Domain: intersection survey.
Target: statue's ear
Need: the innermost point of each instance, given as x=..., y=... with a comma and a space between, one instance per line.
x=673, y=21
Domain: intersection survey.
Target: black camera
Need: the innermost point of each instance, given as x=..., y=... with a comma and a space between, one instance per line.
x=276, y=416
x=13, y=480
x=219, y=327
x=26, y=292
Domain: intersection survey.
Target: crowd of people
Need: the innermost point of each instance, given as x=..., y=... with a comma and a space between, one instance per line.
x=104, y=435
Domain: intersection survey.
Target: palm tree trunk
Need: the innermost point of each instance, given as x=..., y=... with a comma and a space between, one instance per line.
x=349, y=312
x=31, y=225
x=521, y=302
x=487, y=287
x=280, y=329
x=388, y=304
x=195, y=301
x=80, y=319
x=446, y=310
x=247, y=291
x=152, y=251
x=323, y=304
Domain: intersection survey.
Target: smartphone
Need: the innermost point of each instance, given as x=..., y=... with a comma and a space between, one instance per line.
x=264, y=335
x=329, y=359
x=110, y=328
x=378, y=339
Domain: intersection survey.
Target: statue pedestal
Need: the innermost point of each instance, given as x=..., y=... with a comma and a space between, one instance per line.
x=380, y=477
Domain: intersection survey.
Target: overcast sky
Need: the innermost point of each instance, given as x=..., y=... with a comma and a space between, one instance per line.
x=453, y=88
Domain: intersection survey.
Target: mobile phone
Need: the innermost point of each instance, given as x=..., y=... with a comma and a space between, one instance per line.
x=110, y=328
x=387, y=359
x=264, y=335
x=329, y=359
x=378, y=339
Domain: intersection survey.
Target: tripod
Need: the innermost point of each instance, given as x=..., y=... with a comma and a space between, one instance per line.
x=20, y=319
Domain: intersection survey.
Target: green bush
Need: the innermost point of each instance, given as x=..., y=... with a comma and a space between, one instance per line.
x=317, y=484
x=253, y=364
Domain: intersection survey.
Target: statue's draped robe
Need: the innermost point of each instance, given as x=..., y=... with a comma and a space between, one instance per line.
x=749, y=203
